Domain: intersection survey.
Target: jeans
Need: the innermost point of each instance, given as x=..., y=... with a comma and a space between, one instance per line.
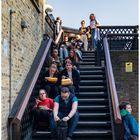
x=79, y=54
x=63, y=53
x=72, y=123
x=93, y=38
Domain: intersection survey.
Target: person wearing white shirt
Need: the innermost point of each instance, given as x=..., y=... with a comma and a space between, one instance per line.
x=94, y=31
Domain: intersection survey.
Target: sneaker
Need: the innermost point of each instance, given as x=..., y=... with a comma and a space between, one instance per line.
x=69, y=138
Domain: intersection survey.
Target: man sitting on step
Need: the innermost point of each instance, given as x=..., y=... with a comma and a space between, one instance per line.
x=65, y=108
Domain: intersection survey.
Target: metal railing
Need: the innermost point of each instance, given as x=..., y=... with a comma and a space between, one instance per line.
x=120, y=37
x=19, y=118
x=111, y=81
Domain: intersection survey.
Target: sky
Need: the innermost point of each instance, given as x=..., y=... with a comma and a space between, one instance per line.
x=107, y=12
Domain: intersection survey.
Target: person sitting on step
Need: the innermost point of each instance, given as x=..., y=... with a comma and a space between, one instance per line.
x=73, y=74
x=64, y=49
x=42, y=108
x=77, y=41
x=65, y=108
x=129, y=123
x=74, y=58
x=55, y=58
x=52, y=81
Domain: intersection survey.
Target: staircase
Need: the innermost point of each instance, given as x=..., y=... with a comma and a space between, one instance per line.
x=95, y=116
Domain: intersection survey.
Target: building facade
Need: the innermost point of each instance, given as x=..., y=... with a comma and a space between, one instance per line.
x=22, y=30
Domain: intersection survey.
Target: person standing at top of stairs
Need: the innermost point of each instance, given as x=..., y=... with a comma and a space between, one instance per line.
x=83, y=32
x=94, y=30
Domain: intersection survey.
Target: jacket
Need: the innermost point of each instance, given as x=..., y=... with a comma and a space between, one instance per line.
x=129, y=123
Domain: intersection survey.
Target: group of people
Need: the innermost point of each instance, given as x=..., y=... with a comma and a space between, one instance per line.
x=63, y=107
x=57, y=100
x=90, y=35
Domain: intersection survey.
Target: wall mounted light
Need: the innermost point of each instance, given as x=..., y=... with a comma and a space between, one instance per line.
x=23, y=24
x=48, y=8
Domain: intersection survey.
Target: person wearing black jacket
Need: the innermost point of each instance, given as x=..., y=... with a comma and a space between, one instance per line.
x=52, y=87
x=70, y=72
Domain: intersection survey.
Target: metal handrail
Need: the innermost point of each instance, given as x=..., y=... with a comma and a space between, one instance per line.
x=133, y=34
x=112, y=87
x=25, y=93
x=32, y=84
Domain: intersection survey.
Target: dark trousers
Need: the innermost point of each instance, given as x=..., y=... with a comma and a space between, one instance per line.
x=40, y=115
x=72, y=123
x=52, y=91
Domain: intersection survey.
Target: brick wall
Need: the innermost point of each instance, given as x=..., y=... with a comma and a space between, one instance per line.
x=126, y=82
x=25, y=44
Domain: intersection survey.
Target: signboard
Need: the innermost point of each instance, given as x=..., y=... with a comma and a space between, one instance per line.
x=128, y=67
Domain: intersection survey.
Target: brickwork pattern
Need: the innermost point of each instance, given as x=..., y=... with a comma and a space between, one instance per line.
x=25, y=44
x=126, y=82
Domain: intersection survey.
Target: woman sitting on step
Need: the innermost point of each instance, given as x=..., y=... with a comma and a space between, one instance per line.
x=74, y=59
x=51, y=81
x=42, y=108
x=70, y=73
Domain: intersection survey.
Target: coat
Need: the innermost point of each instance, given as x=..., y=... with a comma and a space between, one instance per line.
x=129, y=124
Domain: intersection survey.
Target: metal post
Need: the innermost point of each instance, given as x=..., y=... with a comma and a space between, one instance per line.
x=10, y=70
x=10, y=59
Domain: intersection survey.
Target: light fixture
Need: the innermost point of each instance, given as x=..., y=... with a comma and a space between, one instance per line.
x=23, y=24
x=12, y=11
x=48, y=8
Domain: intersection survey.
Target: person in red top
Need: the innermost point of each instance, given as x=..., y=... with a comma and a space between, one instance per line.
x=42, y=108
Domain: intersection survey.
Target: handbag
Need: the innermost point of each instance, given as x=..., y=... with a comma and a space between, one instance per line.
x=61, y=131
x=66, y=82
x=52, y=79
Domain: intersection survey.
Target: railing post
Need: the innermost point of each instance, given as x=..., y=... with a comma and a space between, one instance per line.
x=135, y=43
x=99, y=54
x=16, y=133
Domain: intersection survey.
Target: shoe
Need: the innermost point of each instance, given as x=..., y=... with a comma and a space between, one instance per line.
x=69, y=138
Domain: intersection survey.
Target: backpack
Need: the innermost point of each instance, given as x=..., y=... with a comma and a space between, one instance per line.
x=61, y=131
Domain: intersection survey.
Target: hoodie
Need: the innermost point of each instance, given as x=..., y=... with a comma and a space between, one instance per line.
x=129, y=123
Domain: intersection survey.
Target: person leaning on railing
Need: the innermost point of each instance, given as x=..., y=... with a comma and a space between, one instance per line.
x=129, y=123
x=42, y=108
